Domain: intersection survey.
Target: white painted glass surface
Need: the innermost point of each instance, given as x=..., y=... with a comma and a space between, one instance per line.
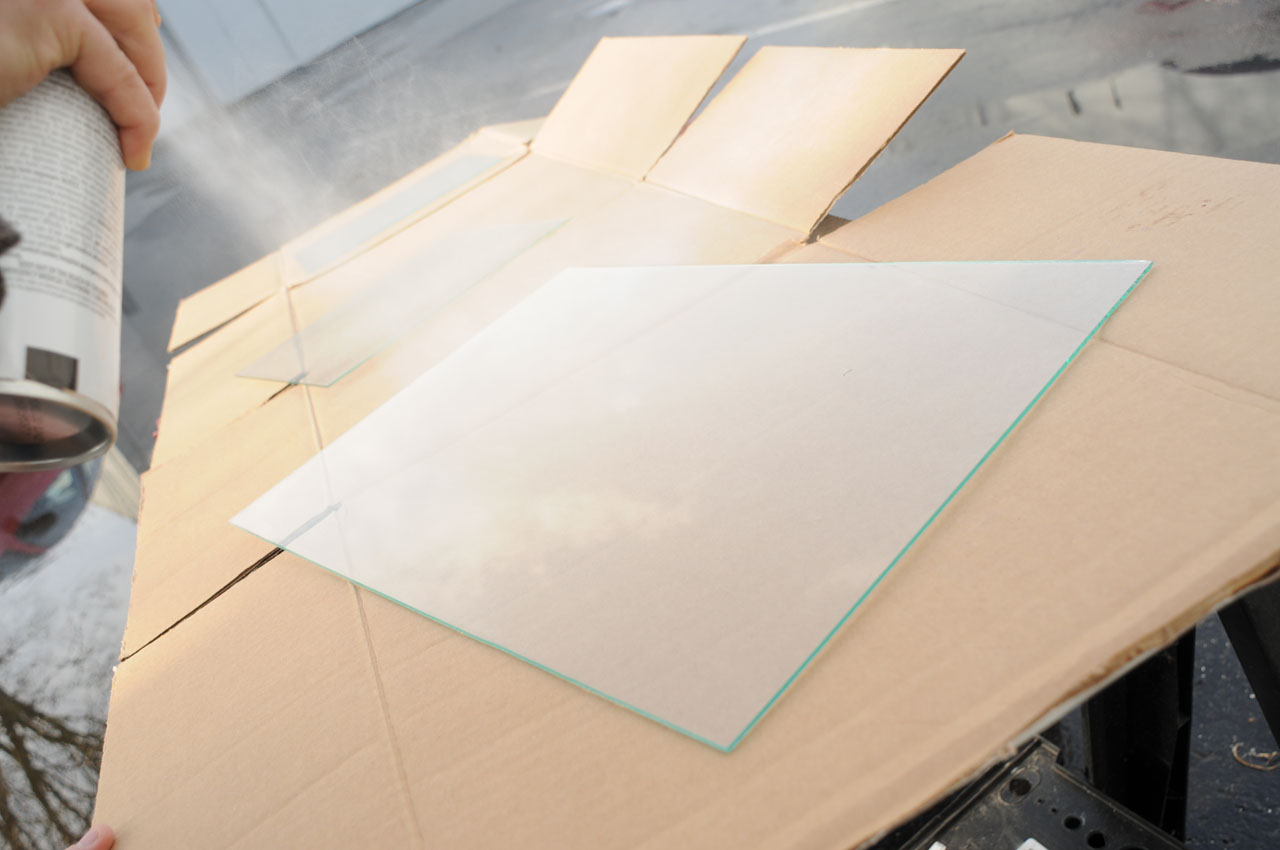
x=671, y=486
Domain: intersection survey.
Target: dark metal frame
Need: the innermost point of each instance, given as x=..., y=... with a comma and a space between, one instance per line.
x=1138, y=730
x=1137, y=737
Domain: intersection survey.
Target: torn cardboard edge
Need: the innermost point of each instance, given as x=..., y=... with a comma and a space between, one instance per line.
x=887, y=817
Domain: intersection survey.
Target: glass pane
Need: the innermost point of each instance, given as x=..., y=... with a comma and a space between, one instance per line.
x=407, y=294
x=672, y=485
x=313, y=255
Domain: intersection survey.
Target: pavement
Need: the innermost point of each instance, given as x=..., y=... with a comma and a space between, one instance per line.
x=1197, y=76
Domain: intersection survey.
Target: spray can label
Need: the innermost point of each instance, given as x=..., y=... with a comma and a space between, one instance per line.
x=62, y=191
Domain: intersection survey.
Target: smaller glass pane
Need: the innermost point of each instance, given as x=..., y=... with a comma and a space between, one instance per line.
x=408, y=293
x=312, y=255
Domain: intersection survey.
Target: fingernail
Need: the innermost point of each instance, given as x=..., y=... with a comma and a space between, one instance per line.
x=90, y=838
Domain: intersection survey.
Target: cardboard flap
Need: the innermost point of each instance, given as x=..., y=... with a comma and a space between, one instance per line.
x=353, y=771
x=203, y=394
x=797, y=125
x=632, y=98
x=219, y=303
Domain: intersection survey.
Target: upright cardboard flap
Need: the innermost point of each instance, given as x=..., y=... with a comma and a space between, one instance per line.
x=631, y=99
x=797, y=125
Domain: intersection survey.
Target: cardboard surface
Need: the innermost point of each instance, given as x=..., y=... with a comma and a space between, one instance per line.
x=203, y=394
x=493, y=753
x=632, y=98
x=1199, y=219
x=187, y=551
x=324, y=729
x=1142, y=492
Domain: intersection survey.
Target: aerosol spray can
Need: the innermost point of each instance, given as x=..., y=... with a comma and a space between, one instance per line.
x=62, y=191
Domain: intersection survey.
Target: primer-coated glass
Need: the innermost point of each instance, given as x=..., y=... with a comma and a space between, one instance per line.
x=406, y=294
x=671, y=486
x=311, y=255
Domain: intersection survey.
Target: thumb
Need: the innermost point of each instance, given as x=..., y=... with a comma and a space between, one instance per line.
x=97, y=838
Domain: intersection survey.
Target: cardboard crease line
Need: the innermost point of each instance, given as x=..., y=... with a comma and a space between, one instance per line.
x=402, y=777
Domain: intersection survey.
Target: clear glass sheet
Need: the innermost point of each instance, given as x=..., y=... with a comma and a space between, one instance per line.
x=315, y=254
x=671, y=486
x=406, y=295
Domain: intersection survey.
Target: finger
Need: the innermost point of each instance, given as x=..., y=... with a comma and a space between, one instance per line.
x=133, y=24
x=97, y=838
x=104, y=71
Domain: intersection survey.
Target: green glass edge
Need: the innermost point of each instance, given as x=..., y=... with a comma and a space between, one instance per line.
x=1052, y=380
x=844, y=619
x=722, y=748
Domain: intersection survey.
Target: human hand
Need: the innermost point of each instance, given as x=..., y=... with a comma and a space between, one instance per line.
x=112, y=48
x=97, y=838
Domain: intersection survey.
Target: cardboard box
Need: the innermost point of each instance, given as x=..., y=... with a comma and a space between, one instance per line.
x=265, y=702
x=612, y=219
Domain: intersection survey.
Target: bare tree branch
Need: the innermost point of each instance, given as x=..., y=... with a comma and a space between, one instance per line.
x=48, y=770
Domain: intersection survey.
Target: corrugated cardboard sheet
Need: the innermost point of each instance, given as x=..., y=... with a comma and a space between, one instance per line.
x=296, y=710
